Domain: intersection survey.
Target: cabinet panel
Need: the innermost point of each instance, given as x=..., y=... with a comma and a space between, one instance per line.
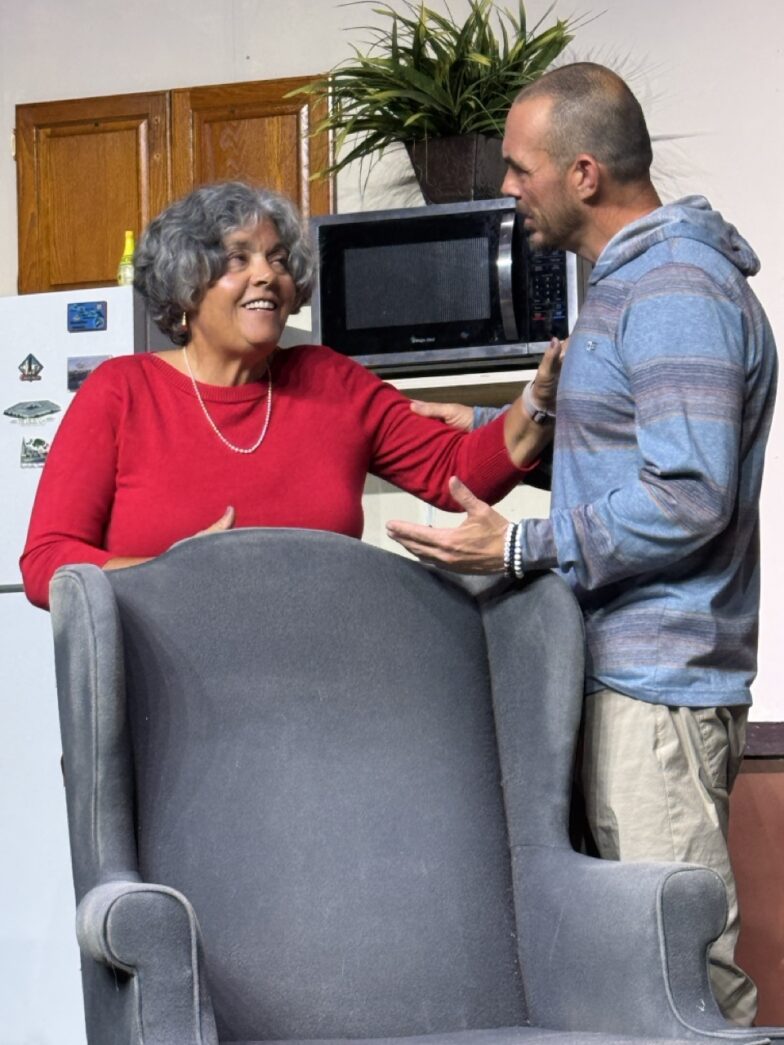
x=757, y=852
x=87, y=170
x=252, y=132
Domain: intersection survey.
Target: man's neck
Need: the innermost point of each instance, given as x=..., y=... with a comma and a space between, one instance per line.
x=608, y=216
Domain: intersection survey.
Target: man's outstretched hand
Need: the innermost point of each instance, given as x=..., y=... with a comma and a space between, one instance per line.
x=475, y=546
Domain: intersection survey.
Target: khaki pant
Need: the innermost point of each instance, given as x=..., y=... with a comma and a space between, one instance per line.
x=656, y=781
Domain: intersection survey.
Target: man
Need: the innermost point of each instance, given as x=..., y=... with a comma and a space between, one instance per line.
x=664, y=406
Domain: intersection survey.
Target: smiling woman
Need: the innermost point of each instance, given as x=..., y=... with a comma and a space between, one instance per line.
x=247, y=308
x=156, y=447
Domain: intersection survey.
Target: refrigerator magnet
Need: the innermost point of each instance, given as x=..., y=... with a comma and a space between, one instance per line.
x=34, y=451
x=86, y=316
x=30, y=368
x=80, y=367
x=32, y=411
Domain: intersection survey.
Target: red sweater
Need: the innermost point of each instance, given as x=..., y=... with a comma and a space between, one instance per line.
x=135, y=466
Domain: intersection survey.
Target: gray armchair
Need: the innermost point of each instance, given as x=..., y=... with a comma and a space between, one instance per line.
x=317, y=792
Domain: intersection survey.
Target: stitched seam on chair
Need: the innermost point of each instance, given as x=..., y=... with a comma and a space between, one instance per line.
x=93, y=665
x=93, y=682
x=663, y=945
x=196, y=975
x=103, y=944
x=137, y=994
x=106, y=947
x=509, y=846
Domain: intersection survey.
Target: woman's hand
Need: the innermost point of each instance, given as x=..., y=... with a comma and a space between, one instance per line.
x=226, y=522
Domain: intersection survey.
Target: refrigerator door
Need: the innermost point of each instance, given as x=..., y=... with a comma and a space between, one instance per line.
x=48, y=344
x=40, y=985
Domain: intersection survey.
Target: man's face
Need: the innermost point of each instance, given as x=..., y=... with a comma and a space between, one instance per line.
x=552, y=215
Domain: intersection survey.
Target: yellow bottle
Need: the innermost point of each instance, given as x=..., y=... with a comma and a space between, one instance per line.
x=125, y=268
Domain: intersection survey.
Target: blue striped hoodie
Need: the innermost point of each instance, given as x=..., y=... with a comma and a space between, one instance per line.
x=664, y=407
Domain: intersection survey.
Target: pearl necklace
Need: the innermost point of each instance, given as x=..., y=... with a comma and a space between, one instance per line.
x=214, y=427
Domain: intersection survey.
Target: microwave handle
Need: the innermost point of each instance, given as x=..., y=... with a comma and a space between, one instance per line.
x=504, y=276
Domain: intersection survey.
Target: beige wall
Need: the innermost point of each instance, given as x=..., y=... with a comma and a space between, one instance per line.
x=709, y=74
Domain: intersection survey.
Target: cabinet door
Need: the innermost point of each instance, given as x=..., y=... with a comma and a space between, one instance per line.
x=87, y=170
x=251, y=132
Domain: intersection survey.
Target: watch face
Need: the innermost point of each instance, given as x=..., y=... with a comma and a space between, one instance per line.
x=538, y=414
x=541, y=417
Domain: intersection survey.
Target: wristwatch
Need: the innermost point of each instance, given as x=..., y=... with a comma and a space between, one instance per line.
x=537, y=413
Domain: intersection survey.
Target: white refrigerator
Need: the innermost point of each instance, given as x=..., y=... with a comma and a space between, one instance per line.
x=48, y=344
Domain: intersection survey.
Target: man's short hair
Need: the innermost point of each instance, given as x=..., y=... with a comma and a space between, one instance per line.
x=594, y=111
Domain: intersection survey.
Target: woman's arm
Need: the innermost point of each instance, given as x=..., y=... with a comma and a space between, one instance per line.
x=75, y=493
x=420, y=455
x=527, y=437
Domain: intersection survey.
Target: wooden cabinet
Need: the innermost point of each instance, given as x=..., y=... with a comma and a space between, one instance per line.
x=90, y=168
x=251, y=131
x=86, y=171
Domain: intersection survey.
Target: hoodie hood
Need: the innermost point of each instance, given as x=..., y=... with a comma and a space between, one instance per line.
x=689, y=218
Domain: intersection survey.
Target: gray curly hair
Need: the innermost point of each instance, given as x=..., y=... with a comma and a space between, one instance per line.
x=181, y=252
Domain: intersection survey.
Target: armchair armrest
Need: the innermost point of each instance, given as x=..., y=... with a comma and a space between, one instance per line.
x=620, y=947
x=150, y=932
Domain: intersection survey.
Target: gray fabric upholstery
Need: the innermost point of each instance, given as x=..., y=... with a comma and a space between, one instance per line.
x=318, y=792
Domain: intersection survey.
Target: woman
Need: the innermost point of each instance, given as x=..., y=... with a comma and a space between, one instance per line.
x=157, y=447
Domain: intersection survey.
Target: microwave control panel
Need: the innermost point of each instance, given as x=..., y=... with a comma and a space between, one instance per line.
x=547, y=295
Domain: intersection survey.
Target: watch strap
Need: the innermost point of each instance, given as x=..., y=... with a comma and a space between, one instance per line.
x=537, y=413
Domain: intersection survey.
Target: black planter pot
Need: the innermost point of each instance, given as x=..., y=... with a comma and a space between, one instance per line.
x=464, y=167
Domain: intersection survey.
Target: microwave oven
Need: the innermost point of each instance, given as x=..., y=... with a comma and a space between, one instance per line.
x=441, y=287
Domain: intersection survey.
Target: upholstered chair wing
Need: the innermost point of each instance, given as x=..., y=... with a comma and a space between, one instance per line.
x=318, y=793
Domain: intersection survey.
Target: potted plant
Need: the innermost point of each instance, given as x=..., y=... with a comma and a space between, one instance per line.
x=440, y=88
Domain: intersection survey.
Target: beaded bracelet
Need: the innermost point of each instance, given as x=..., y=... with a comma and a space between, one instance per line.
x=517, y=570
x=509, y=541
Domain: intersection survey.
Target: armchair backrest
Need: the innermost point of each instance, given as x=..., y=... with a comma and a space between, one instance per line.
x=315, y=765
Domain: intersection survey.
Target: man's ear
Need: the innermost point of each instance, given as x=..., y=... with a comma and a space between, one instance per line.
x=585, y=176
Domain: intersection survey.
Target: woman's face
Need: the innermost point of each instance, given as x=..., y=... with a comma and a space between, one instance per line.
x=248, y=306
